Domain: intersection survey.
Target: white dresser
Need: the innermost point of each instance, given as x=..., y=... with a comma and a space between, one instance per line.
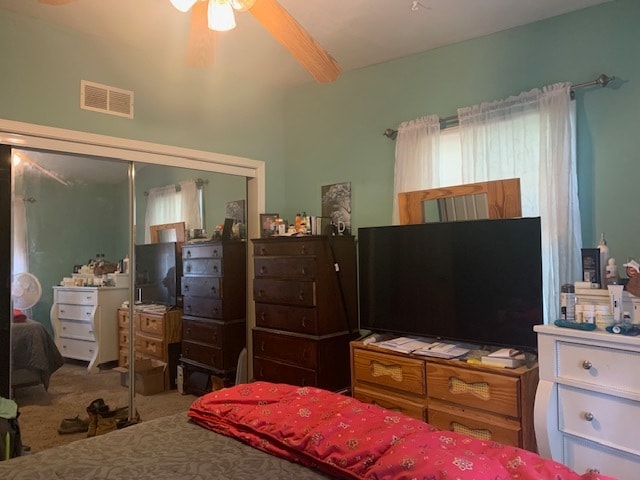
x=85, y=323
x=587, y=408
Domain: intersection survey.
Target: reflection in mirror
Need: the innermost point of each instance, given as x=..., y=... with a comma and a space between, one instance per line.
x=76, y=215
x=456, y=208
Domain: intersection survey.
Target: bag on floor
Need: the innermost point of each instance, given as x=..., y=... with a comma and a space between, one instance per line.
x=10, y=442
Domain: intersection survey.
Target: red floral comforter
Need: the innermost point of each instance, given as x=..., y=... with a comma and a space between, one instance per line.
x=346, y=438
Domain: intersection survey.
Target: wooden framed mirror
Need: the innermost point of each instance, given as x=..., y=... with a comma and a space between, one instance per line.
x=167, y=232
x=493, y=199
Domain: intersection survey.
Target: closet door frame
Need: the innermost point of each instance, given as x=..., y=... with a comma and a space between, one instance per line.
x=26, y=135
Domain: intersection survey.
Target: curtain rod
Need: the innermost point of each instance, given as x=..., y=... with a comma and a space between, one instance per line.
x=602, y=80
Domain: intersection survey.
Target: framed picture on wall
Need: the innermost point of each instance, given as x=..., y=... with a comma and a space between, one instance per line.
x=268, y=224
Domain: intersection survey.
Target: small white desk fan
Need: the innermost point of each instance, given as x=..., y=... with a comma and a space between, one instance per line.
x=25, y=290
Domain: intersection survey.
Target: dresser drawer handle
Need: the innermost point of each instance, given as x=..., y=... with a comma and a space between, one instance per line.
x=303, y=250
x=262, y=346
x=187, y=308
x=587, y=365
x=304, y=322
x=301, y=295
x=263, y=316
x=589, y=417
x=88, y=314
x=260, y=293
x=215, y=269
x=188, y=253
x=303, y=271
x=215, y=252
x=263, y=251
x=213, y=289
x=188, y=330
x=304, y=354
x=186, y=287
x=188, y=268
x=263, y=270
x=62, y=310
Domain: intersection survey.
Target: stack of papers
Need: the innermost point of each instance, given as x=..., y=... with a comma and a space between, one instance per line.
x=426, y=347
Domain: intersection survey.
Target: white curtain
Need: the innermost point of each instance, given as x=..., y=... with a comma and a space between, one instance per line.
x=531, y=137
x=417, y=157
x=20, y=246
x=173, y=204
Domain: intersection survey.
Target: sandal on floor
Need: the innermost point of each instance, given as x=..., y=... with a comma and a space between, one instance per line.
x=73, y=425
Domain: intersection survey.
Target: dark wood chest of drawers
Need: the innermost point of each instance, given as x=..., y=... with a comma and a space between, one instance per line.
x=214, y=306
x=305, y=293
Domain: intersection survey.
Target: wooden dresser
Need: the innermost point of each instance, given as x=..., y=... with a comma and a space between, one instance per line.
x=587, y=411
x=214, y=285
x=306, y=309
x=485, y=402
x=157, y=335
x=84, y=321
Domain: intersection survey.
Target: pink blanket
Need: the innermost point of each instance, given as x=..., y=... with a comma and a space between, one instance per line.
x=345, y=438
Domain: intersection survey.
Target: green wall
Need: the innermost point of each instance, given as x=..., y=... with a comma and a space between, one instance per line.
x=334, y=132
x=318, y=134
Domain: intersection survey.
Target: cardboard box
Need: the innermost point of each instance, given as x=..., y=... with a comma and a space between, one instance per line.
x=149, y=376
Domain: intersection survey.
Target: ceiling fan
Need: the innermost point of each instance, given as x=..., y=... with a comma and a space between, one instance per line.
x=269, y=13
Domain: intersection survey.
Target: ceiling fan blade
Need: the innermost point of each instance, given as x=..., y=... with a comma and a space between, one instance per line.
x=284, y=28
x=56, y=2
x=201, y=49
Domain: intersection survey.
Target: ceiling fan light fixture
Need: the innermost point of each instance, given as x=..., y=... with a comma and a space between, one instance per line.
x=183, y=5
x=220, y=16
x=242, y=5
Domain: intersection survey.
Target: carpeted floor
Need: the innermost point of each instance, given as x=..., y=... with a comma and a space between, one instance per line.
x=71, y=390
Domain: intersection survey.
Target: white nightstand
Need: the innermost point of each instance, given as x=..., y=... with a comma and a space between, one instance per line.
x=587, y=408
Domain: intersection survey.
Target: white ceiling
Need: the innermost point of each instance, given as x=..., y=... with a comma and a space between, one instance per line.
x=357, y=33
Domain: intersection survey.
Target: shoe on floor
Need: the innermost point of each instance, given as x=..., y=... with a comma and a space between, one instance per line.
x=73, y=425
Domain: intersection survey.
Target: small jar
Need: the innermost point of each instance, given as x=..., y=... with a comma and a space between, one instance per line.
x=589, y=314
x=604, y=317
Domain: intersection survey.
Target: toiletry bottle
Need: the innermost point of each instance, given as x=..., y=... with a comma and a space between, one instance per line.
x=568, y=302
x=604, y=259
x=611, y=276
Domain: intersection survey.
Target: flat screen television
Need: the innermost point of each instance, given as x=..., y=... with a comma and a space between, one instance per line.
x=477, y=281
x=158, y=270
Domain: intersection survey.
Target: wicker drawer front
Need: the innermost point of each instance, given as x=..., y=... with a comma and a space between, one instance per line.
x=205, y=332
x=205, y=266
x=284, y=317
x=202, y=251
x=284, y=348
x=123, y=318
x=153, y=324
x=204, y=354
x=399, y=373
x=152, y=346
x=299, y=293
x=266, y=249
x=481, y=425
x=273, y=371
x=289, y=267
x=208, y=287
x=391, y=402
x=202, y=307
x=490, y=392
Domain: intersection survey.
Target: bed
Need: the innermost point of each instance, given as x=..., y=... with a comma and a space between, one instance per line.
x=276, y=431
x=34, y=354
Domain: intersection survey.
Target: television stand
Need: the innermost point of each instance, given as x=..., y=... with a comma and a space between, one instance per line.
x=486, y=402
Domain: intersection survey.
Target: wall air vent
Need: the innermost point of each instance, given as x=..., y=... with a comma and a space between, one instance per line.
x=106, y=99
